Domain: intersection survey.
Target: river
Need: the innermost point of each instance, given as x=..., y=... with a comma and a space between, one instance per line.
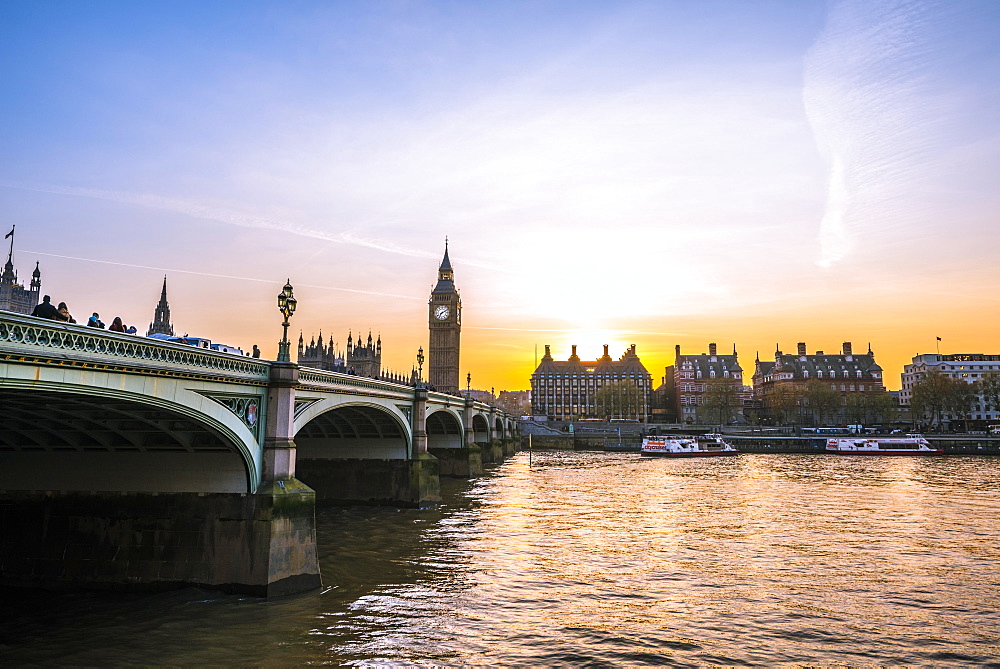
x=599, y=559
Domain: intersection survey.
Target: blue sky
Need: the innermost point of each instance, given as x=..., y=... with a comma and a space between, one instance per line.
x=633, y=172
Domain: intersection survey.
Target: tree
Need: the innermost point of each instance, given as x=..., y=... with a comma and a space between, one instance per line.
x=857, y=408
x=882, y=406
x=936, y=395
x=989, y=388
x=820, y=399
x=722, y=399
x=961, y=399
x=781, y=403
x=619, y=399
x=874, y=407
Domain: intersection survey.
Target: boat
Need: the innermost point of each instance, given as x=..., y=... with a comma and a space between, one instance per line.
x=911, y=444
x=687, y=447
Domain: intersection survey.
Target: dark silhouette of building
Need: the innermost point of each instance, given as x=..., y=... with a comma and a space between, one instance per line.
x=568, y=390
x=360, y=357
x=161, y=317
x=13, y=295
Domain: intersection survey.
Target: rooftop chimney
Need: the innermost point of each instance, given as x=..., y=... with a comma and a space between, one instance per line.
x=712, y=349
x=802, y=348
x=847, y=348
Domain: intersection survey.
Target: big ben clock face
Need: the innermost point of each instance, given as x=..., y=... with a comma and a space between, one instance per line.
x=441, y=313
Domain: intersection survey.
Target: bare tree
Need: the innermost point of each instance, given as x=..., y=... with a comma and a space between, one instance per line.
x=989, y=388
x=722, y=399
x=820, y=399
x=935, y=395
x=782, y=403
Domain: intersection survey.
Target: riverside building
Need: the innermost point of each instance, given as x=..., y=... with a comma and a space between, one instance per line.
x=567, y=390
x=968, y=367
x=776, y=383
x=692, y=383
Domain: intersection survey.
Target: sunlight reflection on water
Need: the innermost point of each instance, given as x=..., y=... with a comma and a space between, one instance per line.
x=607, y=558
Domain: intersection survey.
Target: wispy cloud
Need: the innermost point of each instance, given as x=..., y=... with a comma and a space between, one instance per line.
x=865, y=95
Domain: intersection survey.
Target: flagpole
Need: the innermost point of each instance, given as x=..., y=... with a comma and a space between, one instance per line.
x=938, y=343
x=10, y=234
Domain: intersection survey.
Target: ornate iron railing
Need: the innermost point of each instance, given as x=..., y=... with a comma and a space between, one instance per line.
x=340, y=382
x=26, y=335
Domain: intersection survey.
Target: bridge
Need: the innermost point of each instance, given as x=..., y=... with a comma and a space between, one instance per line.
x=134, y=463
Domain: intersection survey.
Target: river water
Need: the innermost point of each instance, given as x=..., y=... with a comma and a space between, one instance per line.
x=599, y=559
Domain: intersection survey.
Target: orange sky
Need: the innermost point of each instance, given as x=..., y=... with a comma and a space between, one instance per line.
x=606, y=173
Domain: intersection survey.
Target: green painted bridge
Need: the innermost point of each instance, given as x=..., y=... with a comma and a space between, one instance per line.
x=133, y=463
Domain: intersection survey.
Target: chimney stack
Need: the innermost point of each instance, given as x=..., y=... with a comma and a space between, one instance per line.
x=847, y=348
x=712, y=348
x=802, y=348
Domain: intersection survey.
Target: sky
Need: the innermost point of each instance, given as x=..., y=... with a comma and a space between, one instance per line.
x=657, y=173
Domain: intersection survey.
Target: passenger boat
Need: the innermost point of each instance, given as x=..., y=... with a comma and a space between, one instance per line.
x=911, y=444
x=687, y=447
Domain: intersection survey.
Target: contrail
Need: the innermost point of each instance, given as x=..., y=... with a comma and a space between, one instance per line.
x=228, y=217
x=220, y=276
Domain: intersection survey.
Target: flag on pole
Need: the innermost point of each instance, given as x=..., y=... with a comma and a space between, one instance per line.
x=939, y=338
x=9, y=233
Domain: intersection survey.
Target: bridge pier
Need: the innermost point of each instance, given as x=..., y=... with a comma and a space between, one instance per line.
x=492, y=451
x=260, y=544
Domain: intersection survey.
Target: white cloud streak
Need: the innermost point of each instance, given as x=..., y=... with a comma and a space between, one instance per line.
x=867, y=101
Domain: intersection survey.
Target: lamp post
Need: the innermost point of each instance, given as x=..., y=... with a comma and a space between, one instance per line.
x=286, y=305
x=420, y=366
x=468, y=385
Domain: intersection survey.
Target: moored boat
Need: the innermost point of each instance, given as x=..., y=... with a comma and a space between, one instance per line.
x=687, y=447
x=911, y=444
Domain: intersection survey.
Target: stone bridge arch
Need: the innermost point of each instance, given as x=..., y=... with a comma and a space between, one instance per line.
x=444, y=429
x=480, y=429
x=352, y=430
x=91, y=437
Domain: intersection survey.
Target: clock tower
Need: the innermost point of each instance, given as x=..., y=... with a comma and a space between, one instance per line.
x=445, y=323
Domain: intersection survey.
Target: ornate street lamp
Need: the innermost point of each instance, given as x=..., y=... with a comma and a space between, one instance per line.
x=468, y=385
x=286, y=305
x=420, y=366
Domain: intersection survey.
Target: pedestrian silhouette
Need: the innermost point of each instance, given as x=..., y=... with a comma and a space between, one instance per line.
x=256, y=351
x=44, y=309
x=64, y=314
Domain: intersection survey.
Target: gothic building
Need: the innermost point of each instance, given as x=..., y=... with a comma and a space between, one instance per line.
x=360, y=358
x=161, y=316
x=569, y=390
x=444, y=317
x=13, y=295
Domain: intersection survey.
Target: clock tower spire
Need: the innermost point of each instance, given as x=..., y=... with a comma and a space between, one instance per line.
x=445, y=324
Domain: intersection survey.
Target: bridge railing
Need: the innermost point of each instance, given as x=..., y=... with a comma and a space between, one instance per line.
x=66, y=343
x=341, y=382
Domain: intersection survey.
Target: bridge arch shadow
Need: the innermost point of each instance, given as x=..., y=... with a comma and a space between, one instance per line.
x=352, y=431
x=444, y=430
x=84, y=441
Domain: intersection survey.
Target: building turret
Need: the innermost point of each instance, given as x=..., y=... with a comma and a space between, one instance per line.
x=161, y=316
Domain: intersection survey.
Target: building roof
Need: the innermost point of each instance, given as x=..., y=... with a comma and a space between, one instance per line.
x=628, y=363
